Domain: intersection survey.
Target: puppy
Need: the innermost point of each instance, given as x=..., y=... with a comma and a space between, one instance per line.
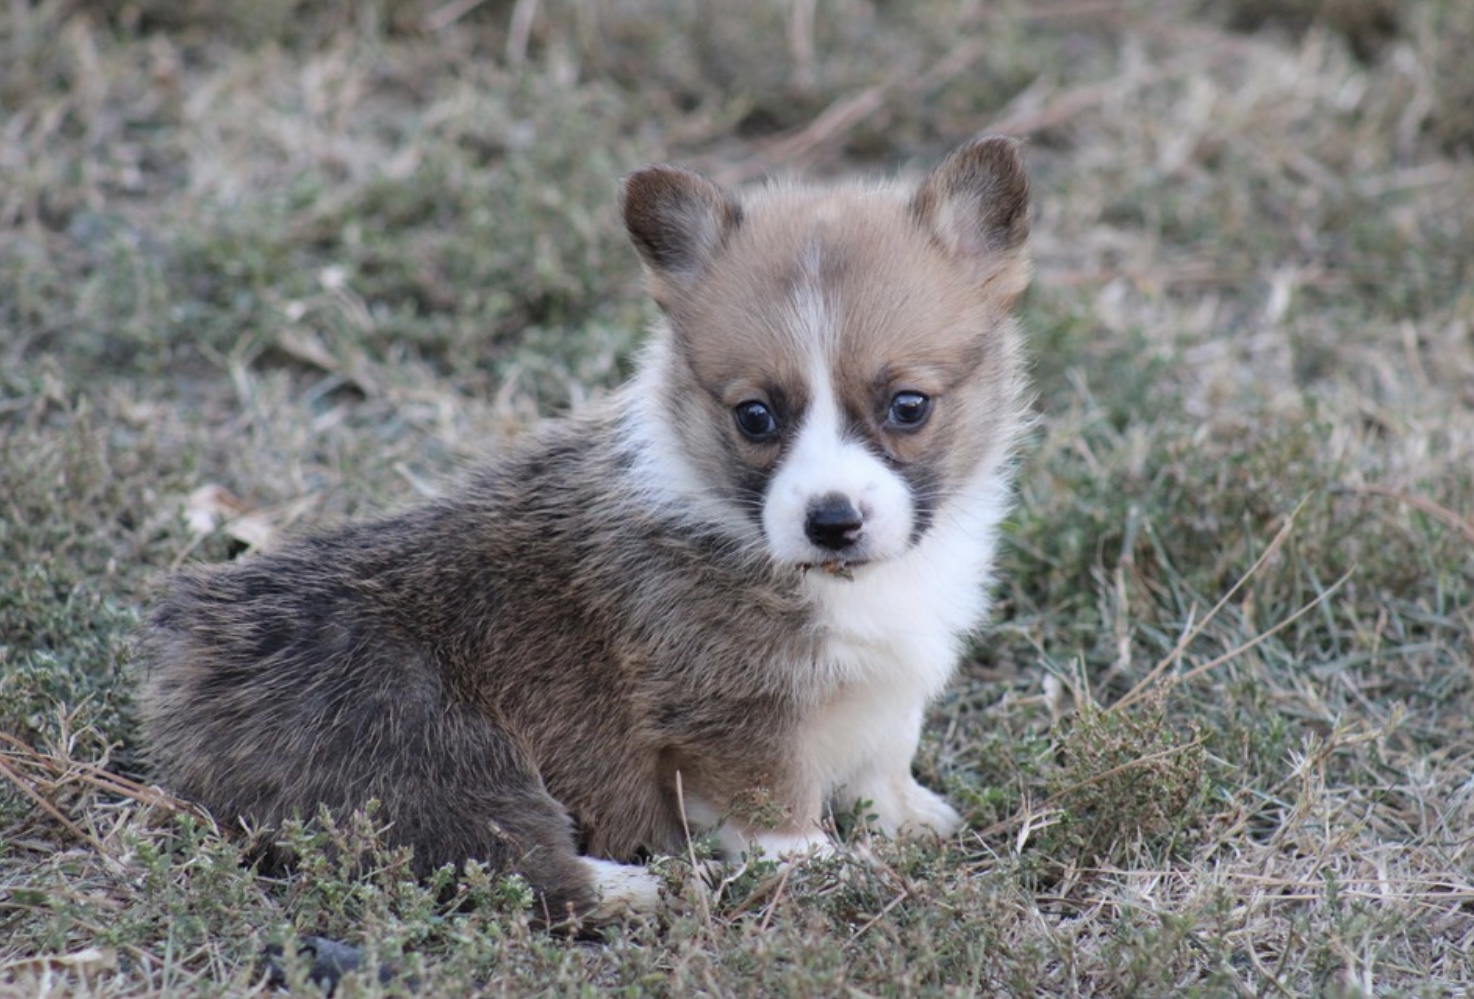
x=720, y=600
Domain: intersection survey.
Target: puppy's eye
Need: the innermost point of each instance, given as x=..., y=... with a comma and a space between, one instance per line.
x=756, y=420
x=909, y=410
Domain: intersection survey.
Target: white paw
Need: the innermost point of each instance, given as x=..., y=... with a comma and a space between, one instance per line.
x=908, y=809
x=792, y=846
x=785, y=851
x=623, y=889
x=734, y=841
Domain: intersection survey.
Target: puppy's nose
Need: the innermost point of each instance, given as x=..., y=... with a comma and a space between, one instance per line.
x=833, y=522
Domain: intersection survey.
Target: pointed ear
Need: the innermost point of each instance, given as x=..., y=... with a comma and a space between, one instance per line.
x=678, y=220
x=976, y=205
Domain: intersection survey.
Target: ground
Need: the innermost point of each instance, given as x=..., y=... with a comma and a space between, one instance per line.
x=270, y=265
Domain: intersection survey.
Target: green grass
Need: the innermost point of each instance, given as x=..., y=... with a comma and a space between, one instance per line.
x=1216, y=740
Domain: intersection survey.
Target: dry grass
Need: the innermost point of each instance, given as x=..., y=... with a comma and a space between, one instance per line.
x=315, y=256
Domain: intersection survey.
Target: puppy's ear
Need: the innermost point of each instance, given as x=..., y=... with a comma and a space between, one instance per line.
x=976, y=205
x=678, y=221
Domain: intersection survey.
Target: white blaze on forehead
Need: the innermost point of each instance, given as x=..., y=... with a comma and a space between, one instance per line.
x=824, y=460
x=814, y=326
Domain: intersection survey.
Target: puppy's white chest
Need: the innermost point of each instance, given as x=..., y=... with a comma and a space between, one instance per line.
x=901, y=623
x=892, y=638
x=882, y=665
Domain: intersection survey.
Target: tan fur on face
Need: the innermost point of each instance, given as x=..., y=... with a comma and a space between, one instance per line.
x=890, y=290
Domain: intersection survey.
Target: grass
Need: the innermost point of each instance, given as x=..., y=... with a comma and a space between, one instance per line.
x=315, y=257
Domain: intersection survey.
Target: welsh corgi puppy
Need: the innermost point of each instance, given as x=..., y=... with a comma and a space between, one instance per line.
x=719, y=601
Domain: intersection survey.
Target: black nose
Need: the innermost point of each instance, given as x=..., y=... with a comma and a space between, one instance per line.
x=833, y=522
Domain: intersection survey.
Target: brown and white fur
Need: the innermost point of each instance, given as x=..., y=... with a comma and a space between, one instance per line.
x=719, y=600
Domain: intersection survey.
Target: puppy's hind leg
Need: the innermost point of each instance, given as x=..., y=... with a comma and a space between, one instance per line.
x=505, y=815
x=458, y=787
x=263, y=717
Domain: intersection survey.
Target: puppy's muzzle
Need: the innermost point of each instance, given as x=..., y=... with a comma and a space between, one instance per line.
x=833, y=522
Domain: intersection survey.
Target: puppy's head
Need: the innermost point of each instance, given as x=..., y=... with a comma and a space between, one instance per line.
x=838, y=364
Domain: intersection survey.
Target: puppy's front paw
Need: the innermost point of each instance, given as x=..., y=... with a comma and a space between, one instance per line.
x=930, y=813
x=908, y=809
x=736, y=841
x=792, y=846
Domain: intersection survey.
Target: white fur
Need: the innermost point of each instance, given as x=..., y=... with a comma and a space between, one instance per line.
x=772, y=844
x=622, y=888
x=661, y=470
x=822, y=462
x=893, y=635
x=733, y=840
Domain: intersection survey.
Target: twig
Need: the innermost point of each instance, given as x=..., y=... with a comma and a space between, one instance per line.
x=801, y=44
x=1246, y=646
x=1121, y=768
x=1055, y=798
x=1438, y=888
x=99, y=777
x=1440, y=513
x=800, y=147
x=447, y=14
x=691, y=855
x=1145, y=683
x=845, y=114
x=519, y=31
x=773, y=901
x=50, y=809
x=885, y=911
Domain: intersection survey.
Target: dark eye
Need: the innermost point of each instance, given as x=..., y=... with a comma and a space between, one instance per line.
x=756, y=420
x=909, y=410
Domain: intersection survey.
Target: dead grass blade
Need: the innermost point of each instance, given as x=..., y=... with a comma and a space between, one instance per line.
x=19, y=762
x=41, y=801
x=447, y=14
x=699, y=885
x=801, y=148
x=1148, y=682
x=1240, y=649
x=1440, y=513
x=885, y=910
x=1026, y=815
